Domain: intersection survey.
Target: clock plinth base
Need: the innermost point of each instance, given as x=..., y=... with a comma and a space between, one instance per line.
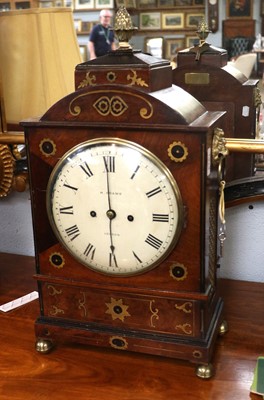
x=196, y=350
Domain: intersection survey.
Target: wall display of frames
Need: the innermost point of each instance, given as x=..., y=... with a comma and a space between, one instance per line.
x=167, y=3
x=83, y=4
x=84, y=52
x=126, y=3
x=104, y=4
x=172, y=46
x=239, y=9
x=172, y=21
x=194, y=19
x=191, y=41
x=150, y=21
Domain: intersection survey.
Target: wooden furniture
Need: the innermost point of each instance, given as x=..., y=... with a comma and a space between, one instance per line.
x=203, y=75
x=242, y=29
x=173, y=308
x=75, y=371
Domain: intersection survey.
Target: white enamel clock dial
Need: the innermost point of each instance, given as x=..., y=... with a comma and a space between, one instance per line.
x=114, y=206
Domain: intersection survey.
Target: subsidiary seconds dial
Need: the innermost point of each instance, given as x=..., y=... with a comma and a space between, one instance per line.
x=114, y=206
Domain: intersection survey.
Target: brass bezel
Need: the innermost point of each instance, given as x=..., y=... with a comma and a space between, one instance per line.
x=146, y=153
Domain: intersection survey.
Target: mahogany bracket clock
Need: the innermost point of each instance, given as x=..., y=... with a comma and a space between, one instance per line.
x=125, y=209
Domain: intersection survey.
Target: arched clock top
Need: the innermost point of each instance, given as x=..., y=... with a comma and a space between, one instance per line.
x=116, y=104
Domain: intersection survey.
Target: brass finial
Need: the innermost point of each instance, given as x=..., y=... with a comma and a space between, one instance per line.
x=123, y=28
x=202, y=31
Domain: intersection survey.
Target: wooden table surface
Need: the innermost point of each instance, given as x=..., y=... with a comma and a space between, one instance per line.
x=80, y=372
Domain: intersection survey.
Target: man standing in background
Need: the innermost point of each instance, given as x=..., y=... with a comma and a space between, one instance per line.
x=101, y=37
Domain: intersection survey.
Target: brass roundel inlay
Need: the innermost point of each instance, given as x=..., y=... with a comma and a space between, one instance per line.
x=197, y=354
x=111, y=76
x=57, y=260
x=47, y=147
x=118, y=342
x=178, y=272
x=177, y=151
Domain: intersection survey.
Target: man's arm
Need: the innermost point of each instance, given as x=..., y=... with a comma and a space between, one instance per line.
x=91, y=50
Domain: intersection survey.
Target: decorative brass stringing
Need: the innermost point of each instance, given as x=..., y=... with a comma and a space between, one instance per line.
x=185, y=307
x=82, y=304
x=186, y=328
x=144, y=112
x=56, y=311
x=88, y=81
x=135, y=80
x=154, y=313
x=53, y=291
x=114, y=106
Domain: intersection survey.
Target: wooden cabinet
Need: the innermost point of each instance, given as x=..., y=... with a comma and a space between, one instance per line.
x=8, y=5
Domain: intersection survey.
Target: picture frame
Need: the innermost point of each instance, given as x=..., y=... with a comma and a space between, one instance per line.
x=86, y=27
x=183, y=3
x=100, y=4
x=191, y=41
x=84, y=52
x=78, y=25
x=239, y=9
x=194, y=19
x=83, y=4
x=172, y=46
x=166, y=3
x=147, y=4
x=198, y=2
x=154, y=46
x=172, y=21
x=149, y=21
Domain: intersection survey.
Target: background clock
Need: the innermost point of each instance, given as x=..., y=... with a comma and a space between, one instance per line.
x=126, y=251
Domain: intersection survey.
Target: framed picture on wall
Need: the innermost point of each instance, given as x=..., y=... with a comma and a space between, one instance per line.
x=239, y=9
x=150, y=20
x=83, y=4
x=172, y=46
x=84, y=52
x=104, y=3
x=194, y=19
x=191, y=41
x=172, y=20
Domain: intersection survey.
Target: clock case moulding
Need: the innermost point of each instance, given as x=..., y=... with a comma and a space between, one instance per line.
x=174, y=309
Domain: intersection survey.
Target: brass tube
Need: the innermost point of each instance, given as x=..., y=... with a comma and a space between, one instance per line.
x=12, y=138
x=244, y=145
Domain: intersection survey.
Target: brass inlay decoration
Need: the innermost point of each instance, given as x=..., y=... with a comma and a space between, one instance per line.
x=154, y=313
x=135, y=80
x=57, y=260
x=185, y=307
x=178, y=272
x=82, y=304
x=197, y=354
x=88, y=81
x=111, y=76
x=47, y=147
x=115, y=106
x=53, y=291
x=177, y=151
x=197, y=78
x=186, y=328
x=117, y=309
x=118, y=342
x=6, y=170
x=144, y=112
x=56, y=310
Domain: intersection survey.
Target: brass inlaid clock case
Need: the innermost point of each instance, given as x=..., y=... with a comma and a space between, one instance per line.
x=172, y=309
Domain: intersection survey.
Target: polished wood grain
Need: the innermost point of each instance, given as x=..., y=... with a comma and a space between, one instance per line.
x=83, y=372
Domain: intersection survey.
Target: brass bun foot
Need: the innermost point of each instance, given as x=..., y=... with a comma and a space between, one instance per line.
x=223, y=329
x=44, y=346
x=205, y=371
